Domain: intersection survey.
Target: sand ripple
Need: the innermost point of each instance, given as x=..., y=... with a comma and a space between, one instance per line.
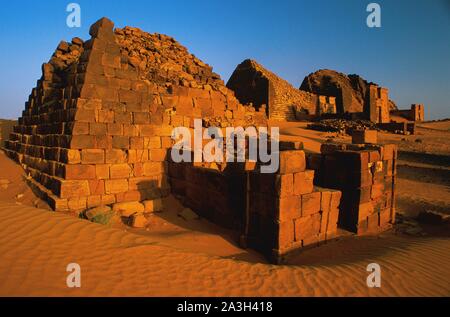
x=36, y=246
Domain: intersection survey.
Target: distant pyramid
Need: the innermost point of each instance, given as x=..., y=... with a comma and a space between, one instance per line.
x=252, y=83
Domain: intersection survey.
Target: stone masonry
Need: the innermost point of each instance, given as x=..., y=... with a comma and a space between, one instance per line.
x=96, y=131
x=96, y=128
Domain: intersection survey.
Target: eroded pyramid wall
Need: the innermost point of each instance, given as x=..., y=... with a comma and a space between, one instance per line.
x=96, y=129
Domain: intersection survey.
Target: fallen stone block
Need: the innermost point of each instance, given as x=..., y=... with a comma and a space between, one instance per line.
x=138, y=221
x=126, y=209
x=154, y=205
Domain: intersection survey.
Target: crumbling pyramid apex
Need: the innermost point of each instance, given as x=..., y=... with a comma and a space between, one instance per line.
x=103, y=27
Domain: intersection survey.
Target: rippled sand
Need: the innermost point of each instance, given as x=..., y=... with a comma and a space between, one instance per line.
x=36, y=246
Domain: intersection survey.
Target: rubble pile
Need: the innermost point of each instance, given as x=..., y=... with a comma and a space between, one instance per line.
x=161, y=59
x=342, y=125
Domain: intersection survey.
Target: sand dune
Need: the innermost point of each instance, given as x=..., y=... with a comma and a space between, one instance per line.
x=36, y=246
x=197, y=258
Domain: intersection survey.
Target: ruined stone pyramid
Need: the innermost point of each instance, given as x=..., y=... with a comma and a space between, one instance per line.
x=96, y=129
x=252, y=83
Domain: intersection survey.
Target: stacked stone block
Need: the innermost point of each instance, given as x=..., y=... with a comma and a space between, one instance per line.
x=215, y=193
x=96, y=129
x=286, y=212
x=365, y=174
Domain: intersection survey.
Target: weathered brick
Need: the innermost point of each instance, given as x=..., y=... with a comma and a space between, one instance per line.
x=94, y=201
x=310, y=203
x=102, y=171
x=141, y=118
x=79, y=128
x=77, y=203
x=74, y=188
x=288, y=208
x=79, y=172
x=146, y=130
x=97, y=129
x=153, y=168
x=120, y=170
x=115, y=156
x=284, y=185
x=105, y=116
x=108, y=199
x=82, y=142
x=285, y=234
x=157, y=155
x=120, y=142
x=307, y=226
x=122, y=117
x=137, y=143
x=85, y=115
x=70, y=156
x=303, y=182
x=115, y=186
x=97, y=187
x=115, y=129
x=103, y=141
x=292, y=162
x=92, y=156
x=153, y=142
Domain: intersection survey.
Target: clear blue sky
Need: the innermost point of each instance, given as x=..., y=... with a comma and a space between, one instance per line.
x=409, y=54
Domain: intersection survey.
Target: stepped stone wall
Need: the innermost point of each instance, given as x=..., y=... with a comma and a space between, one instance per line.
x=96, y=128
x=366, y=176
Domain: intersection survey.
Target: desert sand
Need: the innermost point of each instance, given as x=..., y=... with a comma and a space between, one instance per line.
x=174, y=257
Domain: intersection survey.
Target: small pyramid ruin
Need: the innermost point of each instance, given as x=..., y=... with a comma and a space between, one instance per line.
x=252, y=83
x=97, y=127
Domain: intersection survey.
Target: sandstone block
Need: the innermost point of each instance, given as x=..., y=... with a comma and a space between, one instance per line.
x=102, y=171
x=97, y=187
x=288, y=208
x=115, y=156
x=74, y=188
x=92, y=156
x=303, y=182
x=97, y=129
x=115, y=129
x=292, y=162
x=153, y=168
x=285, y=234
x=284, y=185
x=78, y=128
x=157, y=155
x=115, y=186
x=138, y=221
x=79, y=172
x=154, y=205
x=126, y=209
x=70, y=156
x=120, y=171
x=82, y=142
x=310, y=203
x=307, y=227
